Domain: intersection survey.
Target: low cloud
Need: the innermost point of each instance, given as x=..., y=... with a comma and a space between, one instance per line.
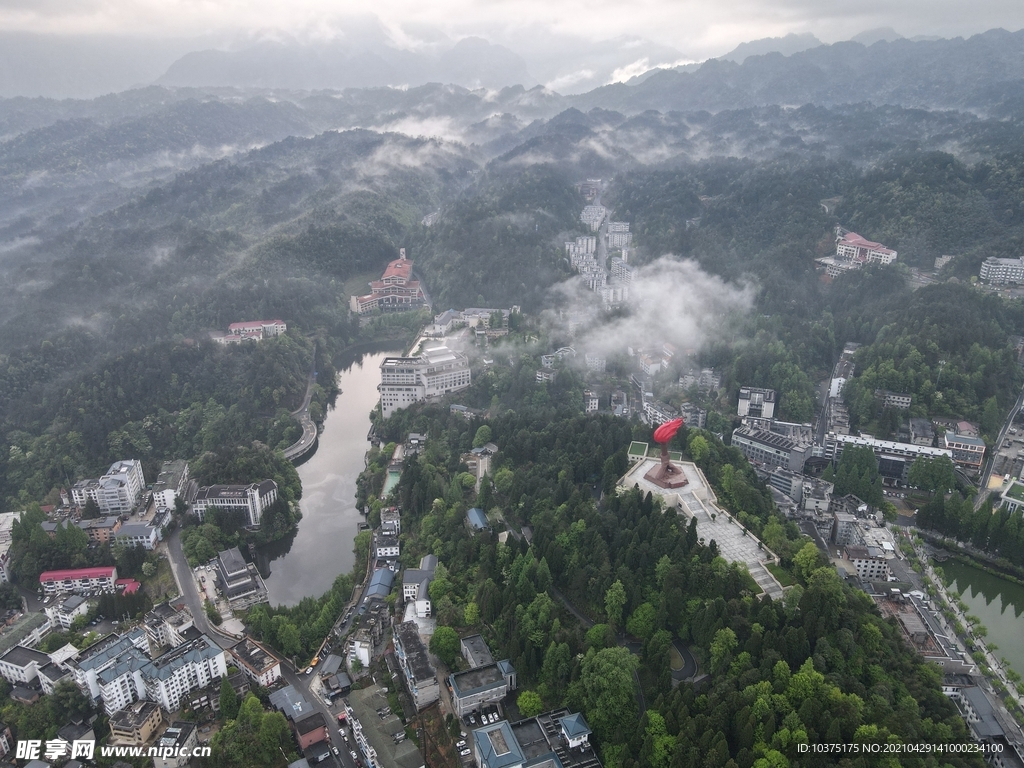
x=670, y=300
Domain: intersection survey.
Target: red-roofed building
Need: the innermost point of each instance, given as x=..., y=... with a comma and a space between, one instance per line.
x=131, y=586
x=853, y=247
x=250, y=330
x=78, y=579
x=395, y=291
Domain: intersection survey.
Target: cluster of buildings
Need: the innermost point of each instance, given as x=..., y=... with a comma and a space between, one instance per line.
x=396, y=291
x=612, y=285
x=483, y=321
x=142, y=676
x=853, y=252
x=249, y=330
x=766, y=441
x=117, y=492
x=593, y=215
x=559, y=738
x=435, y=372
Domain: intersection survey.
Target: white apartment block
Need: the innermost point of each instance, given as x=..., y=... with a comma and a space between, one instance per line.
x=1002, y=271
x=257, y=662
x=252, y=499
x=171, y=677
x=593, y=215
x=754, y=401
x=64, y=611
x=436, y=372
x=591, y=401
x=869, y=562
x=170, y=483
x=20, y=665
x=121, y=488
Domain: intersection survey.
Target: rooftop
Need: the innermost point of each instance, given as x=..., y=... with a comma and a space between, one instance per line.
x=407, y=633
x=254, y=655
x=133, y=716
x=232, y=561
x=78, y=573
x=477, y=679
x=291, y=703
x=20, y=656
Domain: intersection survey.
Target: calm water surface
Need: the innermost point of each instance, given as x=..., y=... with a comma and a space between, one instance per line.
x=998, y=603
x=308, y=562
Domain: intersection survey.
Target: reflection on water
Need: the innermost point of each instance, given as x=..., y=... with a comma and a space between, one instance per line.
x=998, y=603
x=306, y=563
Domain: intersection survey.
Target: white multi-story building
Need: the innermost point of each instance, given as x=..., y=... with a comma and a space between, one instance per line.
x=853, y=247
x=20, y=665
x=84, y=490
x=869, y=562
x=591, y=401
x=63, y=611
x=78, y=579
x=166, y=625
x=754, y=401
x=437, y=371
x=195, y=664
x=170, y=483
x=137, y=535
x=258, y=663
x=105, y=670
x=1002, y=271
x=121, y=488
x=593, y=215
x=835, y=443
x=252, y=499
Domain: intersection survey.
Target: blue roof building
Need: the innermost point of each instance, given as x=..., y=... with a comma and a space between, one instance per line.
x=477, y=519
x=380, y=584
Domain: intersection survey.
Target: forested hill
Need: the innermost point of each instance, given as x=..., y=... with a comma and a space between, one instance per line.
x=982, y=73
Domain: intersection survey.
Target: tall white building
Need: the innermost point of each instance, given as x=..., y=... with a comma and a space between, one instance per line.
x=1007, y=271
x=170, y=483
x=117, y=492
x=436, y=372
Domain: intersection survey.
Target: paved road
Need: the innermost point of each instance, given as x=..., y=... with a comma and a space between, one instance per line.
x=304, y=443
x=983, y=492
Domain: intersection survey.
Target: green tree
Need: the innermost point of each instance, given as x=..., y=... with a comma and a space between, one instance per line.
x=445, y=645
x=228, y=700
x=721, y=649
x=482, y=437
x=643, y=621
x=472, y=613
x=614, y=602
x=530, y=704
x=698, y=448
x=606, y=692
x=91, y=510
x=807, y=560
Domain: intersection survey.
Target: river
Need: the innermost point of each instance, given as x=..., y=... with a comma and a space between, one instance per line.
x=998, y=603
x=307, y=563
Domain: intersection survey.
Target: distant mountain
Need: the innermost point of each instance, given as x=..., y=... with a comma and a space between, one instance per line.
x=787, y=46
x=879, y=34
x=472, y=62
x=984, y=73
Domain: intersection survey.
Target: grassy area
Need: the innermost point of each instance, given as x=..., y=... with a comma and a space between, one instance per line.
x=358, y=285
x=1015, y=491
x=785, y=578
x=162, y=584
x=674, y=659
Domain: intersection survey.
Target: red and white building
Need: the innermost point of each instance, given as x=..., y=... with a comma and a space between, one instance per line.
x=78, y=579
x=853, y=247
x=250, y=330
x=395, y=291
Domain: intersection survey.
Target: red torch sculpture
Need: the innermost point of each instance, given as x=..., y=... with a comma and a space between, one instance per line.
x=666, y=474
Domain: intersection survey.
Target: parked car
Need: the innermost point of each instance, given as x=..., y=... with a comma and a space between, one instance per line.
x=464, y=752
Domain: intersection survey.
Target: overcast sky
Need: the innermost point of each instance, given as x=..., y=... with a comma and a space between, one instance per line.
x=698, y=29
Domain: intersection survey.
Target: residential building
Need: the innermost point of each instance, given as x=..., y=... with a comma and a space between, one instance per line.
x=167, y=625
x=362, y=647
x=419, y=675
x=195, y=664
x=106, y=661
x=771, y=449
x=233, y=574
x=968, y=452
x=788, y=482
x=101, y=530
x=391, y=521
x=28, y=629
x=657, y=412
x=619, y=235
x=1002, y=271
x=591, y=401
x=395, y=291
x=249, y=330
x=209, y=697
x=121, y=488
x=290, y=703
x=817, y=496
x=257, y=662
x=138, y=535
x=552, y=739
x=180, y=738
x=869, y=562
x=416, y=581
x=1013, y=497
x=596, y=363
x=136, y=724
x=475, y=651
x=922, y=432
x=593, y=215
x=835, y=443
x=545, y=376
x=64, y=610
x=50, y=675
x=20, y=665
x=6, y=740
x=78, y=579
x=890, y=399
x=84, y=490
x=436, y=372
x=474, y=689
x=844, y=529
x=171, y=483
x=252, y=500
x=6, y=539
x=693, y=415
x=754, y=401
x=310, y=730
x=386, y=547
